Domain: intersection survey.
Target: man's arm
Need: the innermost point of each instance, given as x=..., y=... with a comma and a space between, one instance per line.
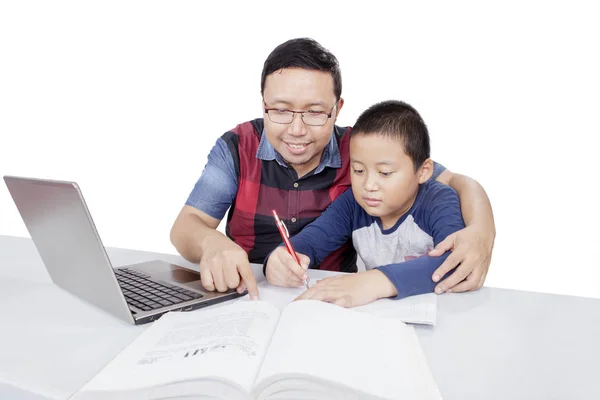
x=475, y=204
x=194, y=233
x=206, y=205
x=471, y=247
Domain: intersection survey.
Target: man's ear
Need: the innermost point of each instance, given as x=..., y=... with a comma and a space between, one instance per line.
x=425, y=171
x=338, y=108
x=262, y=102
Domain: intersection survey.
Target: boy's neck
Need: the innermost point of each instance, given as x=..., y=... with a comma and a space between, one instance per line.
x=392, y=219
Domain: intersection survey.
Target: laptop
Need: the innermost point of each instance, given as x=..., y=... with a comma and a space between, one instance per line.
x=62, y=229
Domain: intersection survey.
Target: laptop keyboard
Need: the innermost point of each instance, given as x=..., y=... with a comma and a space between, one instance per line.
x=145, y=294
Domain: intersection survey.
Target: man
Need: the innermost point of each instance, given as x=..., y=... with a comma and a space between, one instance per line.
x=295, y=160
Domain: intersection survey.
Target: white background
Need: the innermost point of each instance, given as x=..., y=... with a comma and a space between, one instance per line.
x=128, y=97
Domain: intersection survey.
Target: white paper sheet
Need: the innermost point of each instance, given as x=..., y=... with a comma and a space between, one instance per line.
x=421, y=309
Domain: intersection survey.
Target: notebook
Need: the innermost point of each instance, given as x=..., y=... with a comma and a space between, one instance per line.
x=252, y=350
x=420, y=309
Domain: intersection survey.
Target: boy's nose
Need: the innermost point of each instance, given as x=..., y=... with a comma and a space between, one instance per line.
x=370, y=184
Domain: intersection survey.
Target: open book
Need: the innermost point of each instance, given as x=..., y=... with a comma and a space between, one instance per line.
x=251, y=350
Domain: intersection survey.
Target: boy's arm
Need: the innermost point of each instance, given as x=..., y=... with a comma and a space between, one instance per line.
x=313, y=243
x=395, y=280
x=472, y=246
x=330, y=231
x=413, y=277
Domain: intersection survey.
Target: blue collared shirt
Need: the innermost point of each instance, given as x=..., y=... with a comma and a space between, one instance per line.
x=216, y=188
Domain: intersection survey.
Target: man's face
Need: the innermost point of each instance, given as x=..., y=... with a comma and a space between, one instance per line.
x=383, y=178
x=297, y=89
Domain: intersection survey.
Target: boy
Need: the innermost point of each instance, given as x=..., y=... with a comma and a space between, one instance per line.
x=394, y=214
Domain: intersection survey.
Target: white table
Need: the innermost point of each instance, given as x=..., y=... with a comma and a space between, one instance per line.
x=489, y=344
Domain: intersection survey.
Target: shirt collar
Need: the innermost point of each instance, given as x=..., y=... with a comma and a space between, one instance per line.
x=331, y=154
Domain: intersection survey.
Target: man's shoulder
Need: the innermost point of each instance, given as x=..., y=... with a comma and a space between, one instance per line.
x=251, y=129
x=342, y=135
x=242, y=140
x=342, y=132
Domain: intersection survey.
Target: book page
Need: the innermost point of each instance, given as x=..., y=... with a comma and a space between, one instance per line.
x=356, y=350
x=421, y=309
x=227, y=342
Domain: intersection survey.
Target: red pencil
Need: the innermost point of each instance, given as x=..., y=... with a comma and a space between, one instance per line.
x=285, y=235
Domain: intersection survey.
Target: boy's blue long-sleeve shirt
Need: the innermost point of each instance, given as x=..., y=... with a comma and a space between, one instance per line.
x=400, y=252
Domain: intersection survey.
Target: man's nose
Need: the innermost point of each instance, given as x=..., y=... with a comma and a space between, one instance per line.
x=297, y=127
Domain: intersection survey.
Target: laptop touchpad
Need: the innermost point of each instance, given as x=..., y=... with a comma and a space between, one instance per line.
x=178, y=275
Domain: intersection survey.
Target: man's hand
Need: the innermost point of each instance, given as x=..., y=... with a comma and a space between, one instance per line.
x=351, y=290
x=222, y=266
x=283, y=270
x=471, y=251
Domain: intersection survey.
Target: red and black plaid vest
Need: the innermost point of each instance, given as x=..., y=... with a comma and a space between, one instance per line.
x=266, y=185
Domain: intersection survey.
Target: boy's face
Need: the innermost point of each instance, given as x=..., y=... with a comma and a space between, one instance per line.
x=384, y=181
x=297, y=89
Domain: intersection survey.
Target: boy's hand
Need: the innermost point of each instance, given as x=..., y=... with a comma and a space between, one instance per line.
x=351, y=290
x=283, y=270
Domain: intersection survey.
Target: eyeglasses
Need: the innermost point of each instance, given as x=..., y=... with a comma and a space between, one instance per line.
x=312, y=118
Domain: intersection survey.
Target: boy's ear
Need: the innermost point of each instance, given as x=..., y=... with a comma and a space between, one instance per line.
x=425, y=171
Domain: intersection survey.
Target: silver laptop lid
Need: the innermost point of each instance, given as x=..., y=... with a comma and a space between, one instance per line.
x=66, y=238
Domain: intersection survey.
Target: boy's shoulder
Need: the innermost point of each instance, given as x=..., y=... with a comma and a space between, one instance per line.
x=433, y=186
x=434, y=200
x=433, y=192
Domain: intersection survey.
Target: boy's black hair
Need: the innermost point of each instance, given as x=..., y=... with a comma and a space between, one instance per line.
x=397, y=120
x=303, y=53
